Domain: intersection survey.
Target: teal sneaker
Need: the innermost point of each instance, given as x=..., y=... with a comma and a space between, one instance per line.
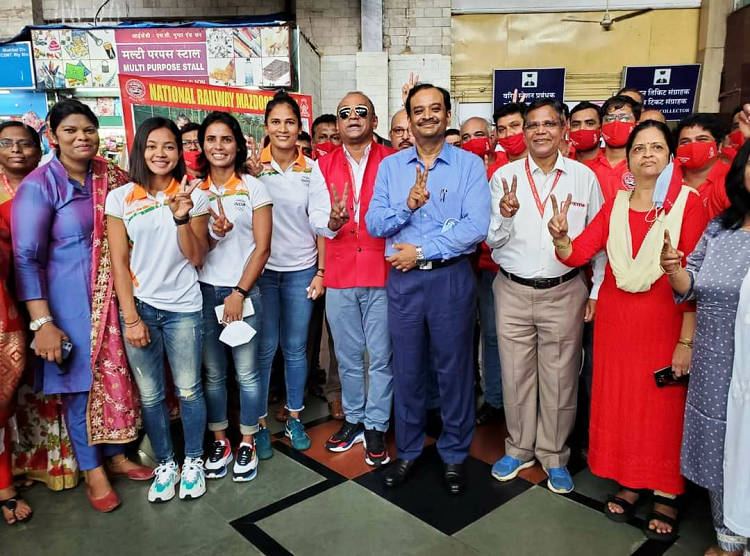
x=263, y=447
x=166, y=477
x=295, y=431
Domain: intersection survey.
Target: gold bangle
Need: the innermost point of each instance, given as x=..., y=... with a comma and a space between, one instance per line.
x=560, y=245
x=670, y=273
x=687, y=342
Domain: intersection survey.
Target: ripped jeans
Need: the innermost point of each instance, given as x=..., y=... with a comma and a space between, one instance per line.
x=180, y=337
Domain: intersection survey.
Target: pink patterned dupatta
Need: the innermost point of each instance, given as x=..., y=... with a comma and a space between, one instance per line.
x=113, y=407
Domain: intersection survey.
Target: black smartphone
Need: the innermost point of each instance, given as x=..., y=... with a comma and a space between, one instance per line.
x=666, y=377
x=66, y=347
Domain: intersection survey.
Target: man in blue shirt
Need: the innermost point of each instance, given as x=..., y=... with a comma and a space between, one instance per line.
x=432, y=202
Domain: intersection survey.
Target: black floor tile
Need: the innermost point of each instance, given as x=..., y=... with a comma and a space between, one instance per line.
x=424, y=496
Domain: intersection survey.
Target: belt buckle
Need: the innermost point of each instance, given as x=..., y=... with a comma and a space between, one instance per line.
x=427, y=265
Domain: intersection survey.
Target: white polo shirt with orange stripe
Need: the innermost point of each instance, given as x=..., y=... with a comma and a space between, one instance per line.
x=301, y=211
x=240, y=197
x=162, y=275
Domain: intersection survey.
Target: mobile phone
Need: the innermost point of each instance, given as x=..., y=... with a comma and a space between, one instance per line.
x=666, y=377
x=66, y=348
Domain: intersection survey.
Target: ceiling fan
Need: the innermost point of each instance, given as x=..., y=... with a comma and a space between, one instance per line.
x=607, y=21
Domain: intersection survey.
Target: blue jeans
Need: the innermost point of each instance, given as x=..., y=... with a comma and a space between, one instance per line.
x=359, y=319
x=180, y=336
x=215, y=363
x=285, y=321
x=491, y=370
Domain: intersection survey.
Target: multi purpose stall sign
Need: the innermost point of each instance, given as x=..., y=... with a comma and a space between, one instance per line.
x=145, y=97
x=669, y=89
x=535, y=83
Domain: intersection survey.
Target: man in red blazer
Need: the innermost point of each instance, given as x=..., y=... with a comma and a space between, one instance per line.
x=355, y=276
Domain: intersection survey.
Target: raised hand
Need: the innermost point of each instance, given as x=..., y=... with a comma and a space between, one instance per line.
x=558, y=224
x=518, y=99
x=418, y=195
x=408, y=86
x=253, y=165
x=670, y=259
x=220, y=225
x=509, y=203
x=181, y=204
x=339, y=211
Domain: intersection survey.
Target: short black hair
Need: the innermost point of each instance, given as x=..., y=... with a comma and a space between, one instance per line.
x=304, y=136
x=635, y=90
x=508, y=110
x=139, y=172
x=586, y=105
x=709, y=122
x=323, y=119
x=282, y=97
x=33, y=135
x=556, y=105
x=566, y=110
x=616, y=102
x=422, y=87
x=664, y=128
x=69, y=107
x=231, y=122
x=734, y=215
x=452, y=131
x=192, y=126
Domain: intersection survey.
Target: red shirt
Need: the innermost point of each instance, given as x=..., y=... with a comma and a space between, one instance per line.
x=485, y=253
x=713, y=191
x=611, y=179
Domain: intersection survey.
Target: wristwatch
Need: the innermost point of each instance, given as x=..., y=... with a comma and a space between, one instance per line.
x=420, y=256
x=38, y=323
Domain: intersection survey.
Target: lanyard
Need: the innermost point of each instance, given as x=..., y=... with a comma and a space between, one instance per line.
x=8, y=188
x=355, y=197
x=539, y=204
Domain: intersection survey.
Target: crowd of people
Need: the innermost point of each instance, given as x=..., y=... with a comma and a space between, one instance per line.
x=594, y=241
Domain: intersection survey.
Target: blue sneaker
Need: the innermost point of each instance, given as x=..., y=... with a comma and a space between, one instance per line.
x=295, y=431
x=507, y=467
x=560, y=481
x=263, y=447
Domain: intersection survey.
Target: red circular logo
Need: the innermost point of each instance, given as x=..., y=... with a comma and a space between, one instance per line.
x=135, y=89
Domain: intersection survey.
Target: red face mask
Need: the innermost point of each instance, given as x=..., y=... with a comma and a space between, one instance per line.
x=513, y=144
x=737, y=139
x=322, y=149
x=616, y=134
x=585, y=139
x=480, y=146
x=697, y=154
x=191, y=160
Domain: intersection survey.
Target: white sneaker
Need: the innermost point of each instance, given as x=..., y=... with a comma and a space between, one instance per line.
x=166, y=477
x=221, y=456
x=193, y=479
x=246, y=465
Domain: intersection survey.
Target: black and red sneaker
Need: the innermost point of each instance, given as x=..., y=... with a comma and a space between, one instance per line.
x=346, y=437
x=376, y=453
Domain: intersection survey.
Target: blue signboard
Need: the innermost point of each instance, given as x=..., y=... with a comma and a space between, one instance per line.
x=534, y=82
x=669, y=89
x=17, y=64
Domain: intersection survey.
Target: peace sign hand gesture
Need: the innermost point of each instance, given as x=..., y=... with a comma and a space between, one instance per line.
x=558, y=224
x=220, y=225
x=253, y=165
x=181, y=204
x=418, y=195
x=339, y=211
x=408, y=86
x=509, y=203
x=671, y=258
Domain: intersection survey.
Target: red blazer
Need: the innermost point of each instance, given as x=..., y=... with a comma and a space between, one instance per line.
x=354, y=258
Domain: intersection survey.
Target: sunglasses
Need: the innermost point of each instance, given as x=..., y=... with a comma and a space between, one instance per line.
x=360, y=110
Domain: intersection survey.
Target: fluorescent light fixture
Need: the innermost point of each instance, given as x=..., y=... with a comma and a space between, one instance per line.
x=4, y=91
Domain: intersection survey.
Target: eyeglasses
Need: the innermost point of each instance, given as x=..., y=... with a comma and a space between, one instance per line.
x=21, y=144
x=194, y=143
x=360, y=110
x=548, y=124
x=610, y=118
x=399, y=131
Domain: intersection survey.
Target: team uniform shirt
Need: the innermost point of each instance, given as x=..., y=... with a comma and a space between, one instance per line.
x=240, y=197
x=301, y=210
x=522, y=245
x=713, y=191
x=611, y=178
x=162, y=275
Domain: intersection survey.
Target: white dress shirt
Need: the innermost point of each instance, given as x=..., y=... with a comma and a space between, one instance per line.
x=522, y=245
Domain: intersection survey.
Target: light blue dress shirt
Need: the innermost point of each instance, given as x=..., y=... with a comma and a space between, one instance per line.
x=454, y=219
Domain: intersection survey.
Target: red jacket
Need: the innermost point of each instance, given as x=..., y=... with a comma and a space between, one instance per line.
x=354, y=259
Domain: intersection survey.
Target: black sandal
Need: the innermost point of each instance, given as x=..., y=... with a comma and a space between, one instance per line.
x=628, y=509
x=11, y=504
x=658, y=516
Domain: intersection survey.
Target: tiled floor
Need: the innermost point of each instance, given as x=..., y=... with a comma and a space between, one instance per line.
x=318, y=503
